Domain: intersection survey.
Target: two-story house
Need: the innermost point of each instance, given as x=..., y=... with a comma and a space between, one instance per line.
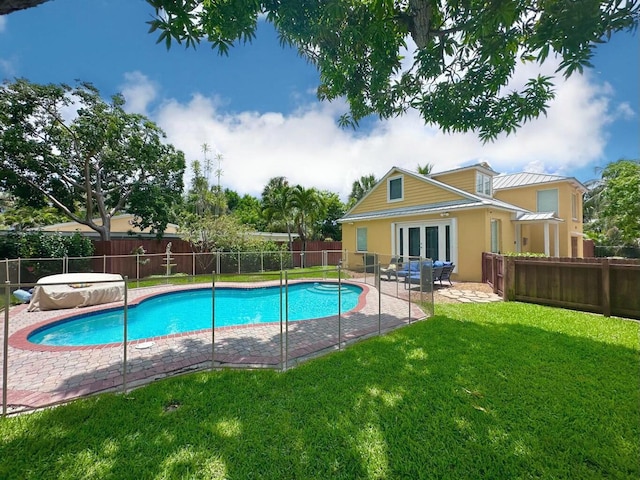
x=458, y=214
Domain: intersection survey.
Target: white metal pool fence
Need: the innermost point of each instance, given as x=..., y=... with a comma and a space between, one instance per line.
x=35, y=376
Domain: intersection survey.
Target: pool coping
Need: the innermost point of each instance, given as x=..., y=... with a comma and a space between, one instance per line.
x=19, y=339
x=29, y=390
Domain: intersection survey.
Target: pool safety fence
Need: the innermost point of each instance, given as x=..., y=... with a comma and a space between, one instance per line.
x=35, y=376
x=140, y=266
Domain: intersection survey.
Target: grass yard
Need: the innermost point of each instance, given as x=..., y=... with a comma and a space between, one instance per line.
x=294, y=274
x=503, y=390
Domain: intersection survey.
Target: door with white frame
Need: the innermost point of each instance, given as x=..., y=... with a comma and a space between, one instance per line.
x=435, y=240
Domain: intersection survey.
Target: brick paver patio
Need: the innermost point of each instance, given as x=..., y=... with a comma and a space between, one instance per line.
x=41, y=375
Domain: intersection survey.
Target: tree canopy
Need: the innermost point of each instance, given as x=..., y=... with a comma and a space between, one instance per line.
x=360, y=187
x=458, y=77
x=88, y=158
x=612, y=205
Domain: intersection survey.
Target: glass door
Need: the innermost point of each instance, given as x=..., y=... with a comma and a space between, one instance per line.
x=414, y=242
x=431, y=235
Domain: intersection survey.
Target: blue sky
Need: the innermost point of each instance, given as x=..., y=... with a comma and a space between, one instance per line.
x=258, y=108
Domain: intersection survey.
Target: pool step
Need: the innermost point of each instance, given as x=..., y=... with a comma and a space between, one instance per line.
x=326, y=287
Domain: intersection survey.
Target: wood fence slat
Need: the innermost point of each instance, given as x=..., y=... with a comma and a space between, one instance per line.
x=606, y=285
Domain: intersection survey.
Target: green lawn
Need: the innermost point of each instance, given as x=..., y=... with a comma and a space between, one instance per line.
x=294, y=274
x=504, y=390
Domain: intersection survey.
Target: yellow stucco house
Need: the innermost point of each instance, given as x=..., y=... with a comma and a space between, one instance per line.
x=458, y=214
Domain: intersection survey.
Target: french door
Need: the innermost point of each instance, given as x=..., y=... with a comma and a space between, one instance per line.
x=431, y=240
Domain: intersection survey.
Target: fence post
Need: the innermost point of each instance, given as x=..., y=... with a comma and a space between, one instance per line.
x=379, y=306
x=125, y=316
x=5, y=348
x=286, y=319
x=339, y=309
x=282, y=368
x=606, y=288
x=494, y=272
x=508, y=278
x=213, y=319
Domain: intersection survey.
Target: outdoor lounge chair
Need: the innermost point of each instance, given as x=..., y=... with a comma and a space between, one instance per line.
x=391, y=270
x=447, y=269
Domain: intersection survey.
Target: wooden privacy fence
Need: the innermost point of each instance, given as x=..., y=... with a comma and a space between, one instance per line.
x=610, y=286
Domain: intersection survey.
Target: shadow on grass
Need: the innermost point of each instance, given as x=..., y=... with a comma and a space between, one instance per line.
x=441, y=399
x=264, y=346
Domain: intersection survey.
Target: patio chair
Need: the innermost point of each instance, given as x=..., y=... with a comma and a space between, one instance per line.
x=446, y=272
x=391, y=270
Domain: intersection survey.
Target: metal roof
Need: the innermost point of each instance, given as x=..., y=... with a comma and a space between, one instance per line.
x=536, y=217
x=474, y=202
x=527, y=178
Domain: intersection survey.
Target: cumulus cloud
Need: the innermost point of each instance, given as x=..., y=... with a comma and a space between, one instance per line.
x=138, y=91
x=309, y=148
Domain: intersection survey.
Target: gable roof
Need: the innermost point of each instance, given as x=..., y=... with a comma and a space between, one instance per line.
x=484, y=167
x=467, y=201
x=514, y=180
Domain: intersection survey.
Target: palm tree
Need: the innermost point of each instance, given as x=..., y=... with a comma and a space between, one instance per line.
x=277, y=208
x=360, y=188
x=308, y=207
x=274, y=184
x=426, y=169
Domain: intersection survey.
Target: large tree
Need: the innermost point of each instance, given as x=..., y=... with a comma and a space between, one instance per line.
x=89, y=158
x=466, y=52
x=612, y=205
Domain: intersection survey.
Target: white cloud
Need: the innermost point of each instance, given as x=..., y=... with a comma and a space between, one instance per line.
x=138, y=91
x=6, y=68
x=625, y=111
x=3, y=23
x=309, y=148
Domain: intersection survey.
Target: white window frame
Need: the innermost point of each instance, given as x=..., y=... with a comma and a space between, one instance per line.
x=546, y=210
x=389, y=180
x=442, y=243
x=574, y=206
x=495, y=235
x=484, y=184
x=360, y=230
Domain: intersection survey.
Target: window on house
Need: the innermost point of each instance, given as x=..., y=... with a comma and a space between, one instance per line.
x=394, y=189
x=361, y=239
x=548, y=200
x=495, y=236
x=574, y=206
x=483, y=184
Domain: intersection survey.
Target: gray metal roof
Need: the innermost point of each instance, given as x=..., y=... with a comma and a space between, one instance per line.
x=536, y=217
x=462, y=204
x=522, y=179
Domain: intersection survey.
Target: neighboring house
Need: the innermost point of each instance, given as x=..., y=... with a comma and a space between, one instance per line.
x=459, y=214
x=121, y=226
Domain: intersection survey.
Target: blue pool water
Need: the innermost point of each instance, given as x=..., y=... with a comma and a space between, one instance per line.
x=190, y=310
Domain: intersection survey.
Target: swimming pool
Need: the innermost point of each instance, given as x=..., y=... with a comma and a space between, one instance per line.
x=190, y=310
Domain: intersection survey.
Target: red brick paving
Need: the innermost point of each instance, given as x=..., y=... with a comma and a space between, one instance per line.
x=43, y=375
